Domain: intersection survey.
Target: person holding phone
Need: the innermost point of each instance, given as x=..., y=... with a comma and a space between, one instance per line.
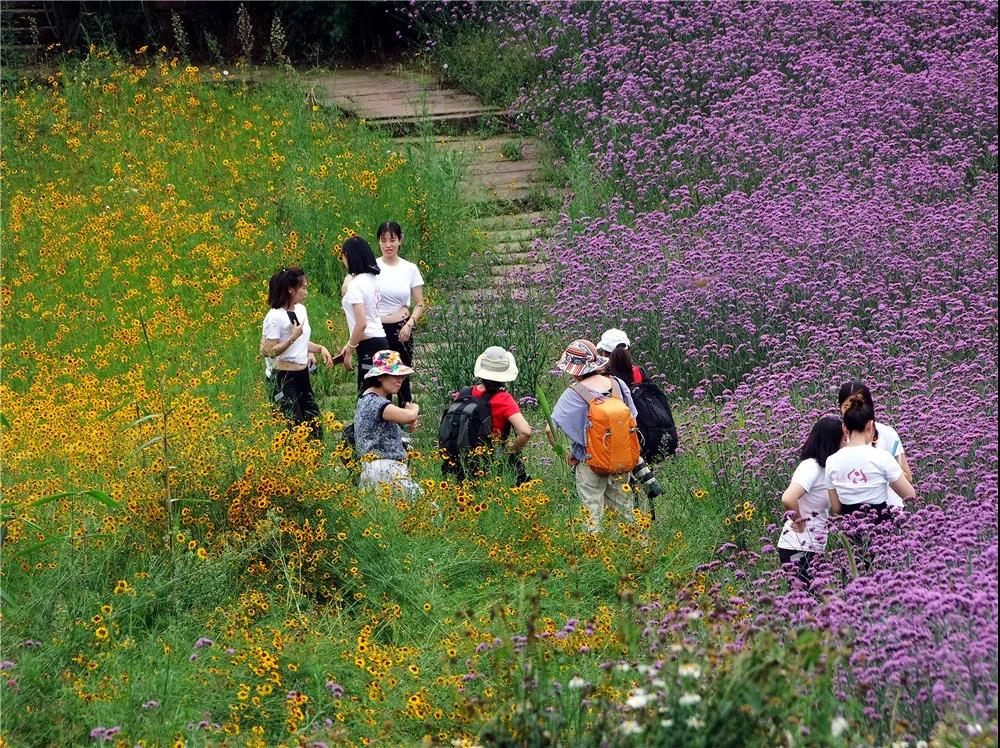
x=360, y=299
x=286, y=341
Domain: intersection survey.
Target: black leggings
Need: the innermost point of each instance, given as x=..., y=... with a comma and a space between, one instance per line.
x=293, y=394
x=367, y=349
x=405, y=351
x=801, y=560
x=881, y=512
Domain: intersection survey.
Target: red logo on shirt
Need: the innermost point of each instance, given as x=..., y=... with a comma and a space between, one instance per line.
x=857, y=476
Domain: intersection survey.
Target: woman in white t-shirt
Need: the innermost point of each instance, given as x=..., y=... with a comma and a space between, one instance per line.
x=859, y=476
x=807, y=499
x=886, y=437
x=400, y=285
x=285, y=342
x=360, y=299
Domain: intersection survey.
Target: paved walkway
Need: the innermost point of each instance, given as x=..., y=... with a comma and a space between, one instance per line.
x=503, y=174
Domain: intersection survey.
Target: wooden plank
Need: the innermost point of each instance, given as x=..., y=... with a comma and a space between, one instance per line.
x=507, y=271
x=531, y=218
x=519, y=168
x=403, y=110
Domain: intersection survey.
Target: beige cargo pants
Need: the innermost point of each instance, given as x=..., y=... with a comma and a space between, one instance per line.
x=600, y=491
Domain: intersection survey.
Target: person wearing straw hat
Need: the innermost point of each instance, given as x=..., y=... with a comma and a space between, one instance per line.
x=496, y=368
x=582, y=361
x=378, y=424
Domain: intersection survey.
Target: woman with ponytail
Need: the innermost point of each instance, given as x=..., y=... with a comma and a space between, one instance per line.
x=860, y=476
x=616, y=345
x=885, y=438
x=285, y=343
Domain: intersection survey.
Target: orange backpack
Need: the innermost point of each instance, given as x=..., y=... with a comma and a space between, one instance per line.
x=612, y=434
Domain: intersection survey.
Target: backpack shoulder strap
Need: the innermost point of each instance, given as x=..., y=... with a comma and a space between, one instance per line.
x=464, y=392
x=616, y=388
x=585, y=392
x=489, y=398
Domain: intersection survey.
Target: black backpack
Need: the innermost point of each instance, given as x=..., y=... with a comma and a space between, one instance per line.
x=655, y=422
x=466, y=424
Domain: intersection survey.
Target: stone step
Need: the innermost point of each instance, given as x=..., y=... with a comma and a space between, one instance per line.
x=505, y=248
x=513, y=258
x=516, y=221
x=517, y=270
x=42, y=30
x=508, y=191
x=472, y=296
x=498, y=169
x=480, y=150
x=464, y=120
x=518, y=234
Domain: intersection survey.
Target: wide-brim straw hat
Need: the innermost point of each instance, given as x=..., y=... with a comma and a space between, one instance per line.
x=388, y=362
x=613, y=338
x=580, y=358
x=496, y=364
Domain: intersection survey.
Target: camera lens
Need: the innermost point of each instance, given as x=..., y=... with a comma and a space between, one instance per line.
x=644, y=476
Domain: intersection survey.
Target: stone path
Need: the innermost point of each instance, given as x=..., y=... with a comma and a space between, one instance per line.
x=396, y=99
x=502, y=172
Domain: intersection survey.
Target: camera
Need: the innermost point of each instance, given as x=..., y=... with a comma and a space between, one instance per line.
x=644, y=476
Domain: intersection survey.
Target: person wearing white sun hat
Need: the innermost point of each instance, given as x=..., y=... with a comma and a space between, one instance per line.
x=377, y=424
x=496, y=368
x=656, y=420
x=617, y=346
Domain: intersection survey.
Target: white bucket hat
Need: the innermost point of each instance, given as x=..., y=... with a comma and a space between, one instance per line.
x=613, y=338
x=496, y=364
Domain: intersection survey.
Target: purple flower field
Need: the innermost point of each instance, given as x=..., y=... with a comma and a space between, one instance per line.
x=805, y=194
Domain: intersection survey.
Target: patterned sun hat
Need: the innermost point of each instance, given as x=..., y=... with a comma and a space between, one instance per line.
x=581, y=357
x=387, y=362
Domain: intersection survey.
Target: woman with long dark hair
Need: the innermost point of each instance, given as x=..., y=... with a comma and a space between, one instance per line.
x=360, y=297
x=656, y=420
x=886, y=438
x=614, y=343
x=807, y=499
x=285, y=343
x=400, y=284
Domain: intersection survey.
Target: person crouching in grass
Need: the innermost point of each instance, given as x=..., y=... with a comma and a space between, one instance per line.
x=378, y=424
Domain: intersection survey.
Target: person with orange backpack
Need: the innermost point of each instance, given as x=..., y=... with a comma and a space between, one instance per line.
x=596, y=412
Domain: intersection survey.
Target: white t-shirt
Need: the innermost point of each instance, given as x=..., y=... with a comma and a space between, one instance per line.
x=277, y=326
x=862, y=474
x=362, y=289
x=889, y=441
x=814, y=506
x=395, y=283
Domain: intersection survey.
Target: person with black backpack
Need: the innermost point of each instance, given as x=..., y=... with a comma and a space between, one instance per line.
x=482, y=416
x=655, y=419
